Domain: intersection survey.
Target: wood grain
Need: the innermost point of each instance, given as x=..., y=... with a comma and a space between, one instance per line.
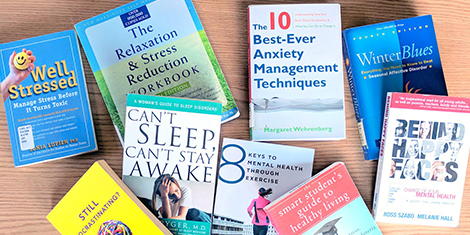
x=27, y=194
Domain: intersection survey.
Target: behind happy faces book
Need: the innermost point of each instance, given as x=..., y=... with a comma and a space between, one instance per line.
x=170, y=158
x=327, y=203
x=423, y=160
x=46, y=99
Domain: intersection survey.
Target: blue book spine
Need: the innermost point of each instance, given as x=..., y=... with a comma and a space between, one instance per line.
x=46, y=102
x=396, y=56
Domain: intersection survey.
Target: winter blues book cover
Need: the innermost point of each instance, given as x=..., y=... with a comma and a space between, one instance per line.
x=154, y=48
x=328, y=203
x=296, y=72
x=100, y=203
x=46, y=99
x=423, y=160
x=252, y=174
x=395, y=56
x=170, y=158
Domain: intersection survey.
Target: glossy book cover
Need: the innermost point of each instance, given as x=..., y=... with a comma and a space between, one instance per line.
x=395, y=56
x=46, y=99
x=100, y=203
x=328, y=203
x=153, y=47
x=423, y=160
x=170, y=158
x=252, y=174
x=296, y=77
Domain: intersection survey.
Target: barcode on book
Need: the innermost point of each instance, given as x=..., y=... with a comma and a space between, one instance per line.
x=25, y=134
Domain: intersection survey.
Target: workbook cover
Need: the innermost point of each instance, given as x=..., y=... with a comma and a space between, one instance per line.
x=328, y=203
x=251, y=175
x=395, y=56
x=46, y=99
x=296, y=73
x=170, y=158
x=423, y=160
x=100, y=203
x=153, y=47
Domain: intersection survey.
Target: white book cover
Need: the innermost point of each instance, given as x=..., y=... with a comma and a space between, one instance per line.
x=296, y=72
x=170, y=158
x=255, y=172
x=423, y=160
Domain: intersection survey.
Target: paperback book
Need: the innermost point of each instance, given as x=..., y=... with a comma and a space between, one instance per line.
x=423, y=160
x=328, y=203
x=100, y=203
x=395, y=56
x=296, y=76
x=252, y=174
x=158, y=48
x=46, y=99
x=170, y=158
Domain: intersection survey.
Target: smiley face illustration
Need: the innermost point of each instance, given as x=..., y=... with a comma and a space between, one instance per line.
x=21, y=61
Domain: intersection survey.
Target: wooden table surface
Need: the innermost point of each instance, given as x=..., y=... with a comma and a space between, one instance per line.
x=27, y=194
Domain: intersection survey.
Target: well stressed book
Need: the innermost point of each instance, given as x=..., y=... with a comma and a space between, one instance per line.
x=100, y=203
x=252, y=174
x=170, y=158
x=395, y=56
x=296, y=76
x=157, y=48
x=423, y=160
x=46, y=99
x=328, y=203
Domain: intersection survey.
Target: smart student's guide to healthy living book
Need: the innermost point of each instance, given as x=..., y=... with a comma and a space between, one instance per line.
x=100, y=203
x=46, y=99
x=395, y=56
x=296, y=72
x=328, y=203
x=252, y=174
x=170, y=158
x=423, y=160
x=153, y=47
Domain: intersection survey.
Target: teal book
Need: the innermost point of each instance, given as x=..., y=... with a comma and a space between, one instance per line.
x=46, y=99
x=395, y=56
x=153, y=47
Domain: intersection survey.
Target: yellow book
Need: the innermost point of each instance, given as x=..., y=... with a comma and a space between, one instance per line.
x=100, y=203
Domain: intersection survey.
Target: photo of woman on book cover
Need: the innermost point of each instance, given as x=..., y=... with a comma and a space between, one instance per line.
x=172, y=201
x=260, y=219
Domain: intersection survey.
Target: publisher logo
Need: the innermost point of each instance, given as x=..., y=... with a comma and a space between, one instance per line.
x=135, y=16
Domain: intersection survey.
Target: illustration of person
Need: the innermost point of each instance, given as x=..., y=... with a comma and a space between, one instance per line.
x=400, y=130
x=413, y=149
x=172, y=201
x=409, y=170
x=260, y=219
x=393, y=168
x=450, y=151
x=425, y=130
x=449, y=126
x=437, y=171
x=16, y=76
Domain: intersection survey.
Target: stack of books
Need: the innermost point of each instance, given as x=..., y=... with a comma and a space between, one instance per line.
x=167, y=98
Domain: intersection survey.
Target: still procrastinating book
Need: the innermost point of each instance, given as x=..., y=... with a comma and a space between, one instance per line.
x=46, y=99
x=170, y=158
x=247, y=171
x=158, y=48
x=423, y=160
x=395, y=56
x=100, y=203
x=296, y=72
x=328, y=203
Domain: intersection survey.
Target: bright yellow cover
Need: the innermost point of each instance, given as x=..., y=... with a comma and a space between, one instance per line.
x=100, y=204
